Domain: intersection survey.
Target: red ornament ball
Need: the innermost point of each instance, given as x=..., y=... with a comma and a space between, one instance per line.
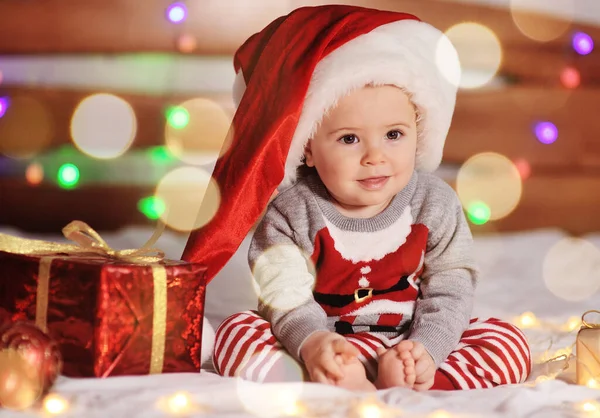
x=40, y=354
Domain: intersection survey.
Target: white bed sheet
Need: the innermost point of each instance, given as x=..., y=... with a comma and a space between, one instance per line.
x=511, y=283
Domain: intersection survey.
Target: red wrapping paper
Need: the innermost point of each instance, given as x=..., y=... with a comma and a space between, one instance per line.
x=101, y=312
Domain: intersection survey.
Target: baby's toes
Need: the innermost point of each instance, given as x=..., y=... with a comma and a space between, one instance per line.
x=405, y=345
x=410, y=374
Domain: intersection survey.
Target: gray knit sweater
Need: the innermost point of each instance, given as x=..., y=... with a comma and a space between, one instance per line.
x=406, y=271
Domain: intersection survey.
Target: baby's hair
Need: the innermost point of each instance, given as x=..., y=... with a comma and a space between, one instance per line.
x=303, y=170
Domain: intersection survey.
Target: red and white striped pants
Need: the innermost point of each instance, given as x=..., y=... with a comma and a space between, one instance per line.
x=491, y=352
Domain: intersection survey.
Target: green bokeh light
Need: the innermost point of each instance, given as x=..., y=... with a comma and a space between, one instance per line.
x=152, y=207
x=161, y=155
x=479, y=213
x=68, y=176
x=178, y=117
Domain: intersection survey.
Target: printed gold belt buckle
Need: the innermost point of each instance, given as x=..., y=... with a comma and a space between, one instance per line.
x=360, y=299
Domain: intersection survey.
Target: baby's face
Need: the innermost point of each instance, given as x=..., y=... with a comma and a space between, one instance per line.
x=365, y=148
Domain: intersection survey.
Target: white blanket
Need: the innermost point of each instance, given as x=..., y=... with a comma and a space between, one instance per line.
x=513, y=281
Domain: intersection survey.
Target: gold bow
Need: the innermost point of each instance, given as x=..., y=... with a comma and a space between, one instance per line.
x=589, y=324
x=89, y=243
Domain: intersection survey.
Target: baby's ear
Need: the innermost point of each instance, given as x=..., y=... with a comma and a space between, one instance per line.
x=308, y=156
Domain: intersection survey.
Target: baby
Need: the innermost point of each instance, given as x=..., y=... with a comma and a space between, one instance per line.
x=363, y=261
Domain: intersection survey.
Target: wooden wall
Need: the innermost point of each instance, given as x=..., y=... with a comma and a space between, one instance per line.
x=562, y=190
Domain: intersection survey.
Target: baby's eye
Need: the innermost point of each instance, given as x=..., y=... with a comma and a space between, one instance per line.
x=393, y=135
x=349, y=139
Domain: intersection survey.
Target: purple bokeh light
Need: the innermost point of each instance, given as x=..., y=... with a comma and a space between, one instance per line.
x=546, y=132
x=583, y=43
x=177, y=12
x=3, y=105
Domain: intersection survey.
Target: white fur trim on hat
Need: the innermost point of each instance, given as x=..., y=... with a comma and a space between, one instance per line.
x=409, y=54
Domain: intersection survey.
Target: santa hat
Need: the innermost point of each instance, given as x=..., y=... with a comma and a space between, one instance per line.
x=289, y=75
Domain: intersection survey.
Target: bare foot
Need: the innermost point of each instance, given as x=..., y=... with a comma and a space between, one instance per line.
x=424, y=367
x=396, y=366
x=355, y=376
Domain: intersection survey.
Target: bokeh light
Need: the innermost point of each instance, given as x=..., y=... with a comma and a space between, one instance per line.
x=34, y=174
x=523, y=167
x=68, y=176
x=492, y=179
x=479, y=51
x=191, y=197
x=440, y=413
x=546, y=132
x=196, y=131
x=269, y=401
x=177, y=12
x=370, y=410
x=160, y=155
x=537, y=26
x=3, y=105
x=26, y=129
x=583, y=43
x=590, y=406
x=103, y=126
x=478, y=213
x=20, y=384
x=152, y=207
x=55, y=405
x=571, y=269
x=186, y=43
x=570, y=78
x=573, y=323
x=447, y=61
x=178, y=117
x=527, y=320
x=290, y=297
x=179, y=403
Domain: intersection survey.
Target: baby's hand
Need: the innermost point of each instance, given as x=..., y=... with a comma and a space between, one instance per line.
x=324, y=353
x=424, y=367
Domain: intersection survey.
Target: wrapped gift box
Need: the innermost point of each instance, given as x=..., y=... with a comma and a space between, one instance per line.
x=109, y=316
x=588, y=353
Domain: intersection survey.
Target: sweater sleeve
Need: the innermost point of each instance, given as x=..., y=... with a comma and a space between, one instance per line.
x=281, y=270
x=443, y=311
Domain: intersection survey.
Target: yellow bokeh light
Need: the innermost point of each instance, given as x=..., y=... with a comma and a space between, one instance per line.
x=103, y=126
x=526, y=320
x=573, y=323
x=179, y=403
x=440, y=414
x=191, y=198
x=54, y=404
x=593, y=383
x=492, y=179
x=590, y=406
x=289, y=297
x=199, y=141
x=541, y=27
x=570, y=269
x=26, y=129
x=479, y=51
x=21, y=385
x=370, y=410
x=269, y=401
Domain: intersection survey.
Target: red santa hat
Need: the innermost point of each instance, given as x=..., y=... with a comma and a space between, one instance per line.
x=289, y=75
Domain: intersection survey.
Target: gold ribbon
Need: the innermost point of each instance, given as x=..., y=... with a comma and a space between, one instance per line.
x=589, y=324
x=89, y=243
